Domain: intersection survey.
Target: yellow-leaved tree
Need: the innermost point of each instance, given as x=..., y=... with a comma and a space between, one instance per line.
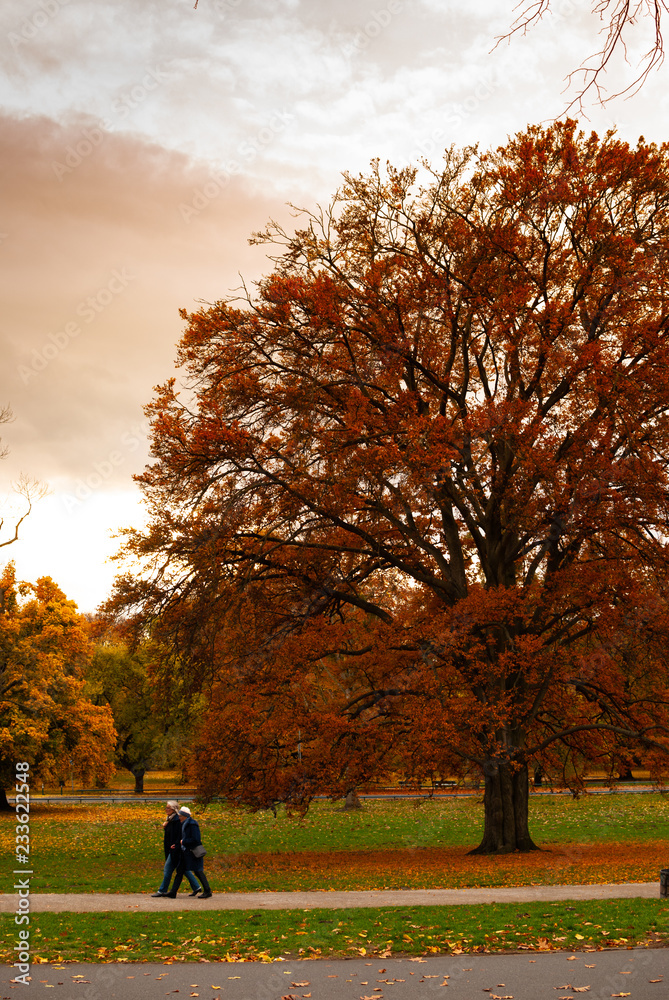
x=46, y=717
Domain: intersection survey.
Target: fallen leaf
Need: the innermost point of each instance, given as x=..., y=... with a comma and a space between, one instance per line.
x=654, y=980
x=621, y=994
x=305, y=983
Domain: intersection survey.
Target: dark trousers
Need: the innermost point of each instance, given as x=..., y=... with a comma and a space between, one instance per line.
x=197, y=872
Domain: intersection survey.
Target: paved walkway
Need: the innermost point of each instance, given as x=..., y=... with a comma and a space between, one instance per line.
x=641, y=974
x=145, y=903
x=439, y=794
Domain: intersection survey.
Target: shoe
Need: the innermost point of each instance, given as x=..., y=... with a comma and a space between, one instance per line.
x=195, y=891
x=170, y=895
x=155, y=894
x=205, y=895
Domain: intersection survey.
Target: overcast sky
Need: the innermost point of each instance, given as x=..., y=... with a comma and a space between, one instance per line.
x=142, y=143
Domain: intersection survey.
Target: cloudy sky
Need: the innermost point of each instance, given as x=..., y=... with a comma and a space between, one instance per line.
x=142, y=142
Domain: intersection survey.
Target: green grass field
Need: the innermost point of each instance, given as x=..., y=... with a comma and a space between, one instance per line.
x=389, y=843
x=116, y=848
x=265, y=935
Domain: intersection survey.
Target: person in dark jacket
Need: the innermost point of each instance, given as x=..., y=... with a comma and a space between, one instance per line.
x=190, y=864
x=172, y=848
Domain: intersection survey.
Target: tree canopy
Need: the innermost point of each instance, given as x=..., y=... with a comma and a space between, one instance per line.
x=45, y=716
x=148, y=733
x=409, y=509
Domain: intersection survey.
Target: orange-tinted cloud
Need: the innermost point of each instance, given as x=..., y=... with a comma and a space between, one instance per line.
x=105, y=236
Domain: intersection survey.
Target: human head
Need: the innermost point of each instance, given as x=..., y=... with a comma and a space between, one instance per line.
x=184, y=813
x=172, y=806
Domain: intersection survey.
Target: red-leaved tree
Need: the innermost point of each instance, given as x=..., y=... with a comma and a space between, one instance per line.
x=410, y=509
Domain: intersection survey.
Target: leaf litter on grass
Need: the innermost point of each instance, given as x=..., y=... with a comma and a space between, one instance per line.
x=434, y=868
x=399, y=844
x=380, y=932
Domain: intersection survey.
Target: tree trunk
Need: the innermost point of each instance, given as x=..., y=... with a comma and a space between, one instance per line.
x=138, y=774
x=505, y=801
x=352, y=800
x=4, y=804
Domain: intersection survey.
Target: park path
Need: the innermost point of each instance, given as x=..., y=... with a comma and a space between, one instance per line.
x=145, y=903
x=641, y=974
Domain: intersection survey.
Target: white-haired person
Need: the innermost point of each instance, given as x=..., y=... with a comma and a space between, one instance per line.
x=192, y=855
x=172, y=847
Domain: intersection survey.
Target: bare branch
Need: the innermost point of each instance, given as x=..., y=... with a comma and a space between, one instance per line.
x=618, y=16
x=30, y=489
x=6, y=416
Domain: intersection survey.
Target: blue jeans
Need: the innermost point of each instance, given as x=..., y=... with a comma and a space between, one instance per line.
x=170, y=866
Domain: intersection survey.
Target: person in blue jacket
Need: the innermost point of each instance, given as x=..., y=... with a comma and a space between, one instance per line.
x=190, y=838
x=172, y=848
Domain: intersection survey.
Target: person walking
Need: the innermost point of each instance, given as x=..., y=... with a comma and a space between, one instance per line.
x=172, y=848
x=192, y=855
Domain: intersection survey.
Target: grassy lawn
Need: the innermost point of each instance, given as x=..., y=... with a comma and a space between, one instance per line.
x=389, y=844
x=263, y=935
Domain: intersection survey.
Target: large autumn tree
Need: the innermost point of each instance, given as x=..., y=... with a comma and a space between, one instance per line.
x=46, y=717
x=410, y=508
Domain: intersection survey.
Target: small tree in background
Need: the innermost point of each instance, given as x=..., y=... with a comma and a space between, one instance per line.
x=147, y=732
